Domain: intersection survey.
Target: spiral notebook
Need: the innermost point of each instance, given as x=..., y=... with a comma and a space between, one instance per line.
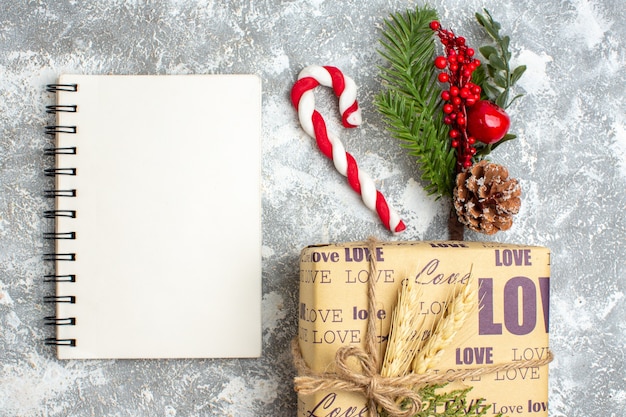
x=157, y=216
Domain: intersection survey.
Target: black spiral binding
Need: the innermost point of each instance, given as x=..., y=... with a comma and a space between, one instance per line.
x=53, y=88
x=60, y=151
x=54, y=214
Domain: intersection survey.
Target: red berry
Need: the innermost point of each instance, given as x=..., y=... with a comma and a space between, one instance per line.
x=487, y=122
x=471, y=140
x=441, y=62
x=434, y=25
x=447, y=108
x=454, y=143
x=460, y=41
x=454, y=134
x=445, y=95
x=454, y=90
x=470, y=101
x=443, y=77
x=456, y=100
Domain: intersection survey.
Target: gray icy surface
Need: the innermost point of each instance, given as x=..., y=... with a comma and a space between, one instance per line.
x=570, y=158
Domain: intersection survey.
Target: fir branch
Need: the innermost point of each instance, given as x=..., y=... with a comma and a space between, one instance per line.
x=452, y=403
x=410, y=102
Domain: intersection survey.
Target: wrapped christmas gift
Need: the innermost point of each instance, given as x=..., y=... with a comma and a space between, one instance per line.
x=396, y=328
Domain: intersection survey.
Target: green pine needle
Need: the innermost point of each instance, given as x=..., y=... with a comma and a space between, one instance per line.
x=410, y=102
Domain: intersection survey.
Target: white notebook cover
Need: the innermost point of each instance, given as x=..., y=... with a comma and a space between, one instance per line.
x=168, y=224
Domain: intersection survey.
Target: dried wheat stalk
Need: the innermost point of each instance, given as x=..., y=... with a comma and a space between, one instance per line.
x=457, y=311
x=404, y=337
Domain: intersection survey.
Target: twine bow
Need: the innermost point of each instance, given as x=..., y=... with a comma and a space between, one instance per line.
x=391, y=394
x=396, y=395
x=384, y=392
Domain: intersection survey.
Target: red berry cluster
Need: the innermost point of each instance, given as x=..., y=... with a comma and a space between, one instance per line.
x=456, y=69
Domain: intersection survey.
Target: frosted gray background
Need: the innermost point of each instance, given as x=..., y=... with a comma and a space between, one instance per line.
x=570, y=158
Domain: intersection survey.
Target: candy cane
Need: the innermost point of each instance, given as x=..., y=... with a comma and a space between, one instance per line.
x=313, y=124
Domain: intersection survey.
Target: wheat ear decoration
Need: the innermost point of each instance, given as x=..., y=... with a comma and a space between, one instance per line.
x=456, y=313
x=403, y=336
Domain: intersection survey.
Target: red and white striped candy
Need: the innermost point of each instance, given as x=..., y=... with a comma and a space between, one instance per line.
x=314, y=125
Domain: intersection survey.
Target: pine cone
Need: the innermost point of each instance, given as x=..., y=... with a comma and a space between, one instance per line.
x=485, y=198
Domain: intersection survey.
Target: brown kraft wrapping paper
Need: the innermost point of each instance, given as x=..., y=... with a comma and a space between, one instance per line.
x=510, y=324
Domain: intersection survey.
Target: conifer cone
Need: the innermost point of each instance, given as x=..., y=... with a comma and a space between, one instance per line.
x=485, y=198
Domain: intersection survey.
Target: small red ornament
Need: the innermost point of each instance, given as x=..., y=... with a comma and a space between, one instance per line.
x=487, y=122
x=441, y=62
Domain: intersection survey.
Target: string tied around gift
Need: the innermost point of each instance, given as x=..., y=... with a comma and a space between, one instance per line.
x=396, y=395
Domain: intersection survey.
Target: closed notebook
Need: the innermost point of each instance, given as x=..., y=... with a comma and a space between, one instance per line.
x=157, y=216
